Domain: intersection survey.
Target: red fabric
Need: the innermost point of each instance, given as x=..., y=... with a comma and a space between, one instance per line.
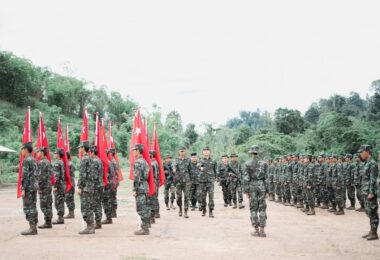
x=102, y=146
x=156, y=147
x=84, y=133
x=111, y=144
x=139, y=136
x=61, y=145
x=67, y=139
x=26, y=137
x=42, y=141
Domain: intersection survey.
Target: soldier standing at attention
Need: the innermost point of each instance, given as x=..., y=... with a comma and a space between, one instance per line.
x=309, y=175
x=140, y=188
x=208, y=168
x=45, y=187
x=29, y=188
x=194, y=177
x=222, y=178
x=370, y=172
x=107, y=195
x=358, y=182
x=59, y=186
x=254, y=186
x=86, y=188
x=181, y=170
x=155, y=205
x=169, y=183
x=116, y=186
x=270, y=179
x=350, y=186
x=97, y=169
x=236, y=181
x=69, y=196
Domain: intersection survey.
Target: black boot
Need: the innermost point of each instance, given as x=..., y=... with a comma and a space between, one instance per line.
x=31, y=231
x=47, y=224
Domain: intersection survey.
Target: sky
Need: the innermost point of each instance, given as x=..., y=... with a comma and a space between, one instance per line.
x=206, y=59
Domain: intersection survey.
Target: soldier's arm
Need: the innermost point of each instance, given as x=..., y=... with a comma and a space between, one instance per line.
x=82, y=174
x=57, y=173
x=374, y=172
x=25, y=175
x=136, y=174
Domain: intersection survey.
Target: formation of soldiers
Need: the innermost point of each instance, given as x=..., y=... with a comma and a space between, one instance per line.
x=302, y=181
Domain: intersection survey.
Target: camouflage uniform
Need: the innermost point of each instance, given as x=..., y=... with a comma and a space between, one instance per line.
x=154, y=203
x=287, y=172
x=69, y=196
x=60, y=185
x=236, y=183
x=29, y=184
x=222, y=176
x=114, y=189
x=358, y=183
x=309, y=186
x=349, y=182
x=107, y=195
x=299, y=192
x=182, y=181
x=318, y=183
x=97, y=170
x=194, y=190
x=330, y=189
x=207, y=183
x=86, y=183
x=321, y=180
x=338, y=185
x=45, y=188
x=169, y=184
x=277, y=181
x=140, y=187
x=270, y=180
x=294, y=185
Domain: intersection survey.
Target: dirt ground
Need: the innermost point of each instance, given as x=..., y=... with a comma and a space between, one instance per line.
x=291, y=235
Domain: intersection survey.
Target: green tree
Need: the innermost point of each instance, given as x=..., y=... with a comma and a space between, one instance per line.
x=288, y=121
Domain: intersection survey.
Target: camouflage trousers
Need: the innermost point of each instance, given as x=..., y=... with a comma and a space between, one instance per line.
x=59, y=202
x=226, y=191
x=98, y=199
x=304, y=196
x=351, y=194
x=114, y=199
x=107, y=202
x=286, y=192
x=331, y=196
x=195, y=194
x=371, y=207
x=310, y=197
x=207, y=188
x=359, y=195
x=169, y=188
x=321, y=194
x=46, y=204
x=339, y=194
x=257, y=205
x=271, y=188
x=142, y=208
x=183, y=188
x=299, y=194
x=236, y=191
x=154, y=204
x=87, y=206
x=278, y=190
x=29, y=204
x=70, y=199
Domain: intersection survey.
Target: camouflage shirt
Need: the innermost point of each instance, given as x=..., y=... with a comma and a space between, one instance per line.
x=116, y=169
x=209, y=170
x=194, y=172
x=222, y=172
x=141, y=174
x=86, y=180
x=111, y=174
x=97, y=169
x=29, y=180
x=182, y=166
x=236, y=171
x=72, y=173
x=59, y=175
x=156, y=173
x=44, y=176
x=369, y=173
x=254, y=172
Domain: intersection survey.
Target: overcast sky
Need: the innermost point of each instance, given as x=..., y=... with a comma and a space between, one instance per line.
x=206, y=59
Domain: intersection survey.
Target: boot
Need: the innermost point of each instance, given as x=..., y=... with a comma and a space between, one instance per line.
x=192, y=208
x=98, y=225
x=186, y=216
x=107, y=221
x=306, y=209
x=262, y=233
x=317, y=204
x=172, y=205
x=152, y=220
x=366, y=235
x=114, y=214
x=59, y=221
x=204, y=212
x=167, y=206
x=69, y=215
x=372, y=234
x=339, y=212
x=180, y=212
x=230, y=204
x=235, y=206
x=361, y=209
x=299, y=205
x=311, y=212
x=157, y=215
x=324, y=206
x=47, y=224
x=211, y=215
x=241, y=206
x=332, y=209
x=225, y=204
x=143, y=231
x=31, y=231
x=256, y=233
x=351, y=207
x=90, y=229
x=287, y=204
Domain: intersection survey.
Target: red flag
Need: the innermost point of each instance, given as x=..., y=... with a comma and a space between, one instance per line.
x=111, y=144
x=84, y=133
x=146, y=133
x=102, y=146
x=67, y=139
x=139, y=137
x=61, y=145
x=42, y=141
x=26, y=137
x=156, y=147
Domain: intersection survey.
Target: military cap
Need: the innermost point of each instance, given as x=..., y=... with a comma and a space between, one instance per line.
x=349, y=156
x=83, y=144
x=168, y=156
x=322, y=155
x=27, y=145
x=225, y=156
x=94, y=149
x=206, y=148
x=193, y=154
x=365, y=147
x=254, y=149
x=42, y=149
x=152, y=152
x=138, y=147
x=182, y=149
x=60, y=151
x=233, y=155
x=296, y=155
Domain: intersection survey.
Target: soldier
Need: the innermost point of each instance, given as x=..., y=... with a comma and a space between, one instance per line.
x=29, y=188
x=318, y=173
x=321, y=181
x=169, y=183
x=194, y=177
x=299, y=192
x=107, y=195
x=155, y=205
x=116, y=186
x=235, y=173
x=294, y=184
x=223, y=180
x=45, y=186
x=270, y=179
x=86, y=188
x=277, y=180
x=97, y=170
x=309, y=182
x=254, y=187
x=349, y=181
x=369, y=173
x=69, y=196
x=181, y=170
x=59, y=186
x=140, y=188
x=358, y=182
x=208, y=168
x=330, y=190
x=287, y=172
x=338, y=184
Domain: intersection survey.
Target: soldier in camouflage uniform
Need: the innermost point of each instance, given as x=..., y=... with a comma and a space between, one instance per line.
x=154, y=203
x=69, y=196
x=277, y=179
x=97, y=170
x=349, y=181
x=309, y=177
x=235, y=175
x=208, y=168
x=116, y=186
x=321, y=181
x=45, y=186
x=254, y=186
x=59, y=189
x=86, y=188
x=330, y=189
x=300, y=175
x=29, y=188
x=288, y=175
x=294, y=184
x=358, y=182
x=270, y=182
x=338, y=184
x=369, y=172
x=318, y=173
x=140, y=188
x=223, y=180
x=181, y=170
x=194, y=177
x=107, y=195
x=169, y=183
